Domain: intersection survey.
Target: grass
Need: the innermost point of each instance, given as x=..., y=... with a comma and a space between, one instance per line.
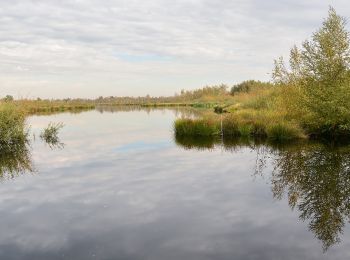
x=244, y=123
x=283, y=131
x=196, y=127
x=13, y=131
x=15, y=157
x=260, y=113
x=54, y=106
x=245, y=130
x=50, y=135
x=48, y=106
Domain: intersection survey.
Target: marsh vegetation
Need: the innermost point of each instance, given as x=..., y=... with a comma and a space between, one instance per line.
x=15, y=140
x=309, y=97
x=13, y=129
x=51, y=135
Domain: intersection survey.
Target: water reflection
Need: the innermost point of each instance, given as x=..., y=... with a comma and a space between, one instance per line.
x=50, y=135
x=122, y=189
x=315, y=177
x=182, y=111
x=54, y=143
x=199, y=143
x=15, y=162
x=48, y=112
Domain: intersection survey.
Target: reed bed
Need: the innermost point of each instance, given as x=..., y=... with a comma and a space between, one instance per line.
x=235, y=126
x=33, y=106
x=13, y=131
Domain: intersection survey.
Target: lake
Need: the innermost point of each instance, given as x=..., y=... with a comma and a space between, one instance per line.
x=123, y=187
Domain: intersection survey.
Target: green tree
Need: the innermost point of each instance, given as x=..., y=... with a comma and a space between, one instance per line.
x=247, y=86
x=320, y=71
x=8, y=98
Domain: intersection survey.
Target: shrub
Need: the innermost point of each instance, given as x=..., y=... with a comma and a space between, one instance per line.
x=247, y=86
x=50, y=134
x=13, y=132
x=245, y=130
x=320, y=72
x=230, y=126
x=196, y=127
x=282, y=131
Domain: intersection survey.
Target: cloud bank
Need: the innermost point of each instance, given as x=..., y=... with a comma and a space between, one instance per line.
x=131, y=47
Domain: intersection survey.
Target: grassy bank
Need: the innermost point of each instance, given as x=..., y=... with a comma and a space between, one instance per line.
x=309, y=97
x=14, y=132
x=233, y=126
x=257, y=110
x=51, y=106
x=196, y=127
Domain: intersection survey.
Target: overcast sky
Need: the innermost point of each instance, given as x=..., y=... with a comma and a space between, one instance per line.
x=88, y=48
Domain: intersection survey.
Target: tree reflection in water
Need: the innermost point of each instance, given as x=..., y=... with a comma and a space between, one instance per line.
x=15, y=162
x=314, y=177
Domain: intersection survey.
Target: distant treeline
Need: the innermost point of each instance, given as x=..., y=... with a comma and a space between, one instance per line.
x=207, y=93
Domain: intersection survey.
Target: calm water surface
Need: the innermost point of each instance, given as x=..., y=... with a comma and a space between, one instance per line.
x=124, y=188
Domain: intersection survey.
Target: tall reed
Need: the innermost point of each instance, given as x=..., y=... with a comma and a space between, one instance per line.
x=13, y=131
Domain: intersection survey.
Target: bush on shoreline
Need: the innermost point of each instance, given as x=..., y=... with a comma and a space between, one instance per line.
x=310, y=96
x=13, y=132
x=196, y=127
x=318, y=74
x=236, y=127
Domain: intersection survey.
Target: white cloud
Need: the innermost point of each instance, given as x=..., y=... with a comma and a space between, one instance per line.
x=89, y=48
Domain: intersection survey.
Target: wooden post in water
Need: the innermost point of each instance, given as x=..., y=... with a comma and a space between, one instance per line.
x=222, y=133
x=219, y=110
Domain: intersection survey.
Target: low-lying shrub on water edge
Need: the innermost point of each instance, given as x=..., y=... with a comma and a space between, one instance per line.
x=50, y=135
x=13, y=131
x=54, y=108
x=196, y=127
x=282, y=131
x=245, y=130
x=235, y=126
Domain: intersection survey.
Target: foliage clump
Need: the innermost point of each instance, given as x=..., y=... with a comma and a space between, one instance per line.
x=196, y=127
x=237, y=126
x=50, y=134
x=283, y=132
x=319, y=78
x=13, y=132
x=8, y=98
x=249, y=85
